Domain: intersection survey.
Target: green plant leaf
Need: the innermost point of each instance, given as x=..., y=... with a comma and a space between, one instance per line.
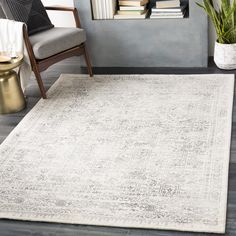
x=223, y=18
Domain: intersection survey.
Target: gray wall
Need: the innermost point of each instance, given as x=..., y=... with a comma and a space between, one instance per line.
x=147, y=43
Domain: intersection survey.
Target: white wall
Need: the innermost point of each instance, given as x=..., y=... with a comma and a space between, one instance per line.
x=66, y=19
x=63, y=19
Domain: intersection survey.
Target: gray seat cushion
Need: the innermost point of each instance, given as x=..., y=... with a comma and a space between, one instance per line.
x=56, y=40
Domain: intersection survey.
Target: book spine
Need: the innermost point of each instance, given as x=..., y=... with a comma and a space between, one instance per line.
x=107, y=9
x=114, y=8
x=99, y=9
x=103, y=9
x=94, y=7
x=110, y=9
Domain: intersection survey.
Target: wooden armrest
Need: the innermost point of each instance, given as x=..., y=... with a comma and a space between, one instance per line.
x=28, y=45
x=63, y=8
x=60, y=8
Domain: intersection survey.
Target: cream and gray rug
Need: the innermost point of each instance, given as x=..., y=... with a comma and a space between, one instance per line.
x=145, y=151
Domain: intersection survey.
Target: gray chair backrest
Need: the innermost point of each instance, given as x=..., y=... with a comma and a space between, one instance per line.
x=2, y=15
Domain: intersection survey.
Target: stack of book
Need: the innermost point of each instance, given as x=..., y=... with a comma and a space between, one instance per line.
x=132, y=9
x=103, y=9
x=168, y=9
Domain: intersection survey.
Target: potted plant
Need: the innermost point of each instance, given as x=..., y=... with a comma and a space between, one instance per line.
x=224, y=20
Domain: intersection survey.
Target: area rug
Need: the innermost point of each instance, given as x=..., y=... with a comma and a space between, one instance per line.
x=139, y=151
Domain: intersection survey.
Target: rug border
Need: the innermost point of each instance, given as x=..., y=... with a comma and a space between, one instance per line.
x=145, y=226
x=118, y=225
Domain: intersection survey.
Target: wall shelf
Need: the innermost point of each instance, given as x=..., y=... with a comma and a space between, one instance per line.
x=147, y=43
x=149, y=7
x=146, y=19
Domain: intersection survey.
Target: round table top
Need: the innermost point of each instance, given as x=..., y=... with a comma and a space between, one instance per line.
x=8, y=63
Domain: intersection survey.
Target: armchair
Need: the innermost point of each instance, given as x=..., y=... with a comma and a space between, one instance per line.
x=51, y=46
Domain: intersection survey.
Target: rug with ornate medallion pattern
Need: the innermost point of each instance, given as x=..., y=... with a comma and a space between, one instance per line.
x=142, y=151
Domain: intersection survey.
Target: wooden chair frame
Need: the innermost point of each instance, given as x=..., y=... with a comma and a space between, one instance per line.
x=39, y=66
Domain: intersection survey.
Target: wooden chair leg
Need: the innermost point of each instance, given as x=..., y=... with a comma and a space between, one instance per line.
x=87, y=60
x=40, y=83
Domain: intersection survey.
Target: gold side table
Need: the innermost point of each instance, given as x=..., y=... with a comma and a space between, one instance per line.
x=11, y=96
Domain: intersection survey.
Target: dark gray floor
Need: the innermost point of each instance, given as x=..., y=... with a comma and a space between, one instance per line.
x=71, y=66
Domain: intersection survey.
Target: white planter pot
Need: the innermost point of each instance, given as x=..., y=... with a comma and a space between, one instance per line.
x=225, y=56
